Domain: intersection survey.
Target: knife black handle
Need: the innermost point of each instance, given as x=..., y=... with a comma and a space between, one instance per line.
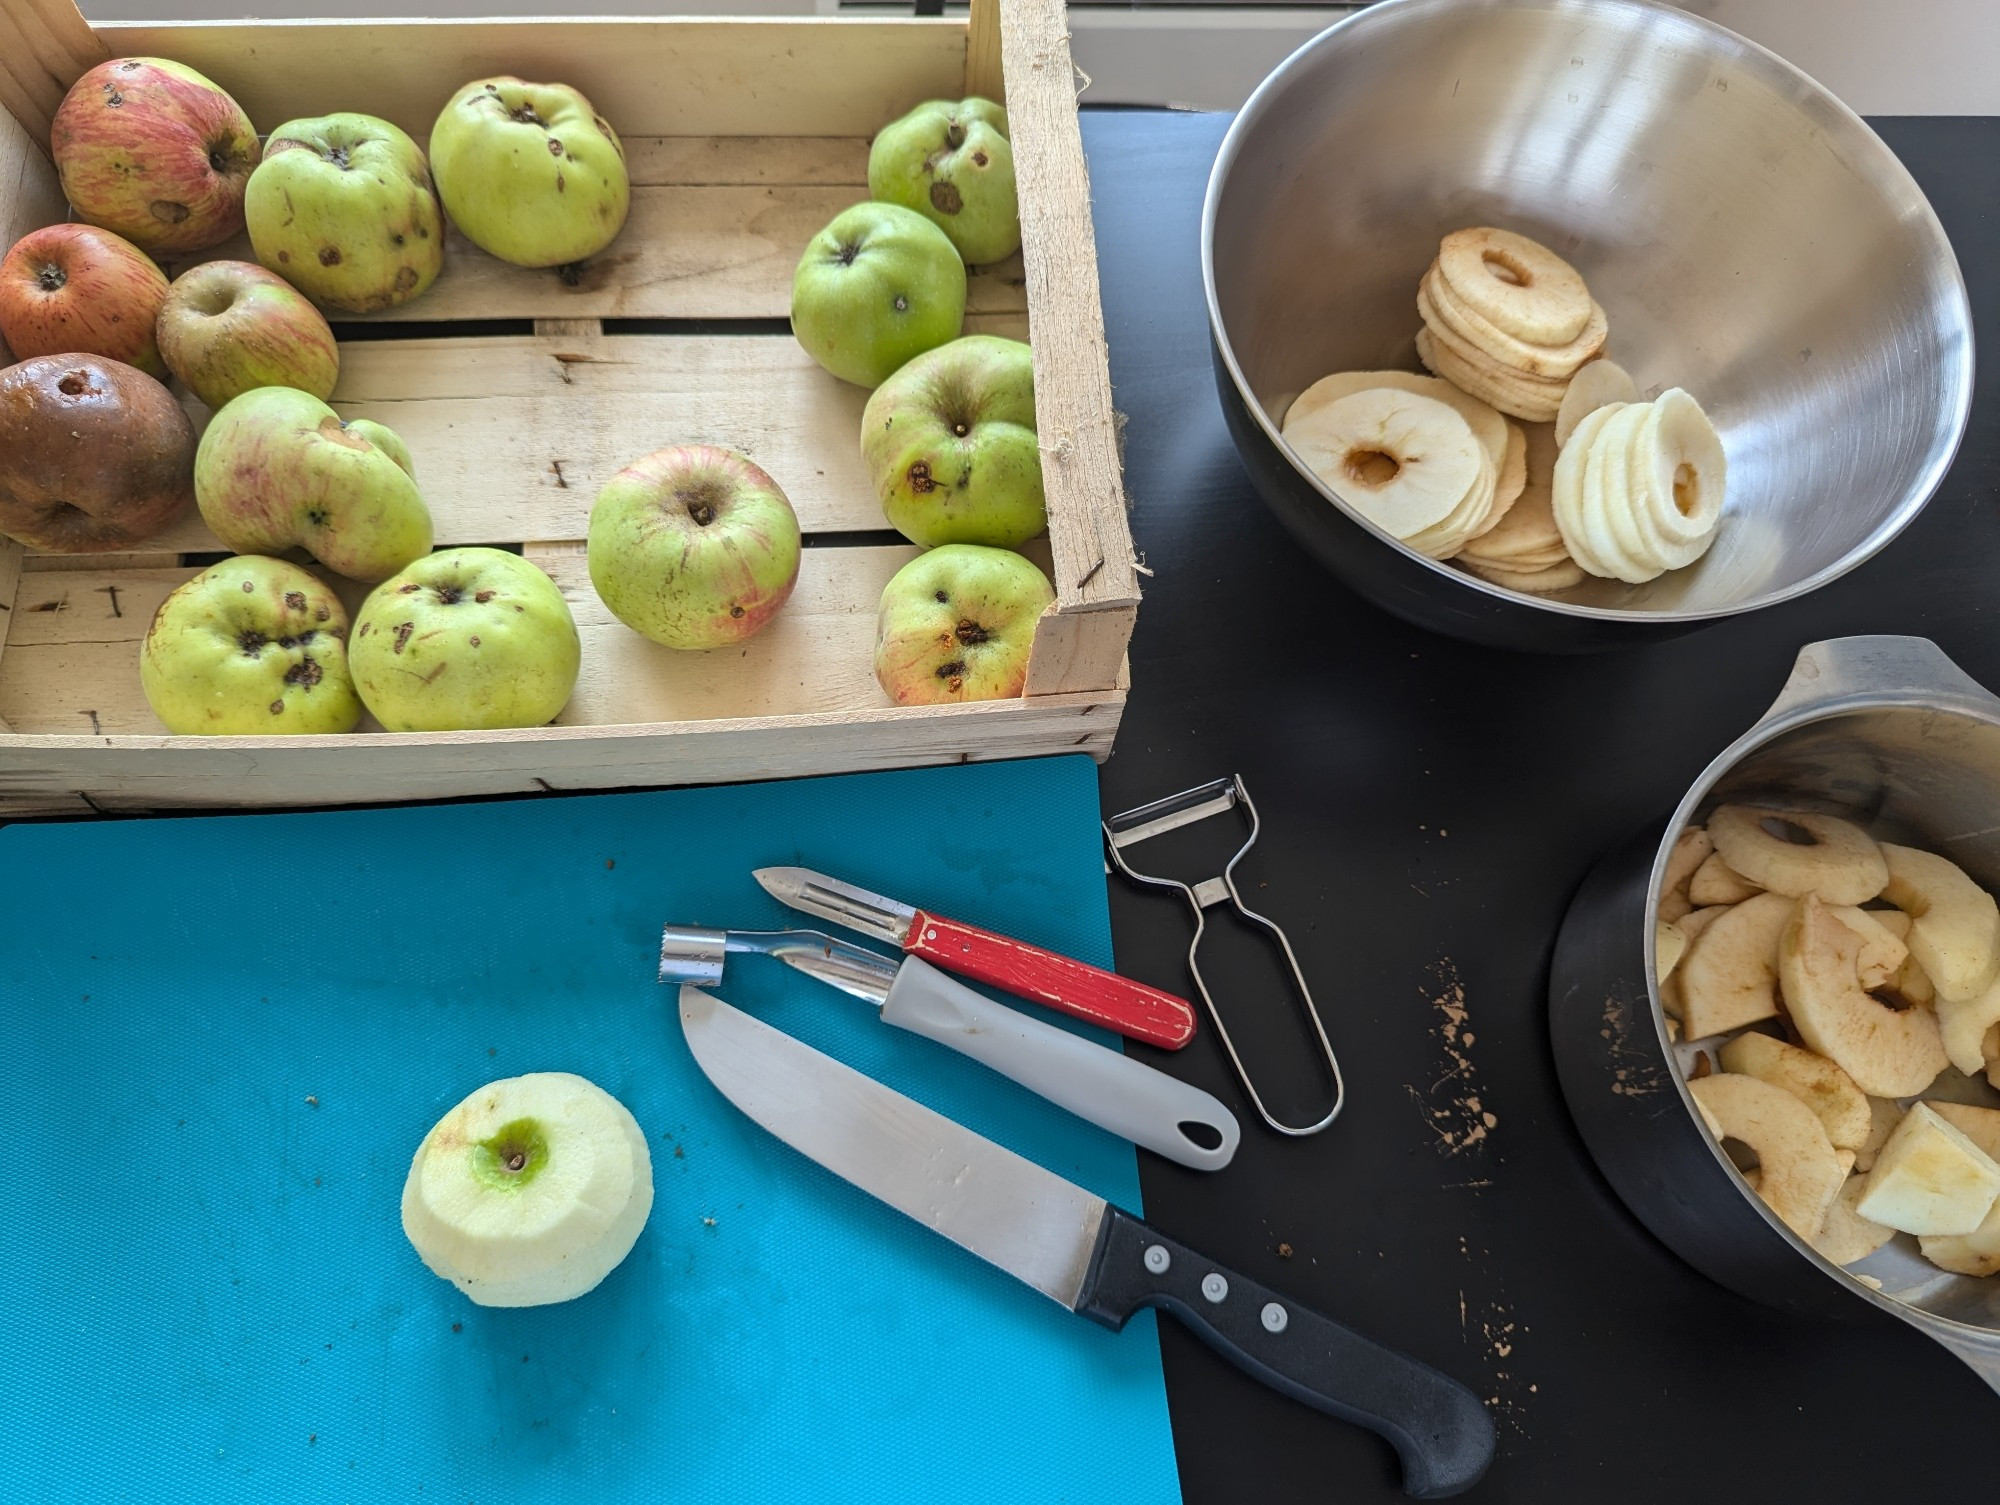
x=1439, y=1429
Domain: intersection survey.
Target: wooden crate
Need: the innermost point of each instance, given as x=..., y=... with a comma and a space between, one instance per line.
x=520, y=392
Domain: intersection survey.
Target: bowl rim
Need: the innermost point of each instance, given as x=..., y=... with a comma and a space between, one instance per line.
x=1885, y=165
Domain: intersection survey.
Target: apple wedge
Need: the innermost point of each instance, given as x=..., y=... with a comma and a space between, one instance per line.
x=1715, y=882
x=1846, y=1236
x=1883, y=950
x=1930, y=1179
x=1691, y=849
x=1798, y=853
x=1669, y=942
x=1840, y=1106
x=1963, y=1024
x=1954, y=924
x=1729, y=976
x=1888, y=1052
x=1798, y=1171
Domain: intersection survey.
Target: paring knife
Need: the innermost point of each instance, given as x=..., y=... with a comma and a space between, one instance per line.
x=1097, y=1083
x=1078, y=1249
x=1076, y=988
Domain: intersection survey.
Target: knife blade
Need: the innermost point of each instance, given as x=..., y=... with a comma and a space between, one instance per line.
x=1076, y=1248
x=1076, y=988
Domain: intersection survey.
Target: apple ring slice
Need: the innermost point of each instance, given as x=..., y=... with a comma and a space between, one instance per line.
x=1404, y=461
x=1439, y=307
x=1679, y=472
x=1796, y=853
x=1487, y=425
x=1566, y=493
x=1530, y=399
x=1591, y=387
x=1516, y=284
x=1557, y=577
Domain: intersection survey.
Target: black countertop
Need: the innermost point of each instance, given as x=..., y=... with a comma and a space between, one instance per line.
x=1428, y=809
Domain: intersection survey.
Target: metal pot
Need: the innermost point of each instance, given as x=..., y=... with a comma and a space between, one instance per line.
x=1752, y=239
x=1890, y=733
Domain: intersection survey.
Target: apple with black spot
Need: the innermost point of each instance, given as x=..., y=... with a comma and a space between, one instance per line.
x=693, y=546
x=957, y=623
x=279, y=469
x=343, y=208
x=465, y=640
x=229, y=327
x=74, y=288
x=250, y=647
x=951, y=161
x=155, y=151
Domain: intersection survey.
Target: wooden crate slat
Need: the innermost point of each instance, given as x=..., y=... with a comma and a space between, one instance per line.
x=763, y=161
x=45, y=46
x=711, y=251
x=985, y=78
x=489, y=421
x=668, y=76
x=44, y=774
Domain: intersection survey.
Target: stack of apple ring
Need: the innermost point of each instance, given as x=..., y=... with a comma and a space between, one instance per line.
x=1638, y=488
x=1414, y=455
x=1525, y=550
x=1507, y=320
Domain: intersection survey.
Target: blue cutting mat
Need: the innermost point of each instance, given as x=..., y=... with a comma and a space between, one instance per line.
x=224, y=1038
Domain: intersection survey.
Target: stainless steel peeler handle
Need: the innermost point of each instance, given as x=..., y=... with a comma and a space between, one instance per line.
x=1134, y=826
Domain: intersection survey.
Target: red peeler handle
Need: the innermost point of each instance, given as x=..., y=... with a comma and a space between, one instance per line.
x=1074, y=987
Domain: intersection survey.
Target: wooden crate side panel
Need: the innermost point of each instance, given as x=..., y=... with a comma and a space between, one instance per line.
x=1089, y=532
x=45, y=775
x=45, y=46
x=985, y=73
x=30, y=197
x=674, y=76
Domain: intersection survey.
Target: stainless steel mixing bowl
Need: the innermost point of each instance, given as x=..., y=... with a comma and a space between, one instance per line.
x=1883, y=730
x=1751, y=239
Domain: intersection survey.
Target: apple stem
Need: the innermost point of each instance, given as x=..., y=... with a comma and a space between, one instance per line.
x=516, y=1160
x=954, y=136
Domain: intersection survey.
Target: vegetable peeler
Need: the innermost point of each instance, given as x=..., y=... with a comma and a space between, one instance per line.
x=1114, y=1091
x=1169, y=814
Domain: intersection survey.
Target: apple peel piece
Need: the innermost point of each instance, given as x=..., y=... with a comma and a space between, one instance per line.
x=1930, y=1178
x=1888, y=1052
x=1799, y=1172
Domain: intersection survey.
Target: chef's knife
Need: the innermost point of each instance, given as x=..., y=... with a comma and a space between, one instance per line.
x=1114, y=1091
x=1061, y=982
x=1078, y=1249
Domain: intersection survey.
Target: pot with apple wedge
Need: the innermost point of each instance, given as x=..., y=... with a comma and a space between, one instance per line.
x=1800, y=1144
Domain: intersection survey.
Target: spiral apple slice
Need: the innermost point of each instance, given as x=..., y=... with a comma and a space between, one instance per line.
x=530, y=1191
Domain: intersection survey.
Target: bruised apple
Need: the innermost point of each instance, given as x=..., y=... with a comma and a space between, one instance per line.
x=958, y=623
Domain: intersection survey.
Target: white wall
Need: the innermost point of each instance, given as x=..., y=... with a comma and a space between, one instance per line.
x=1884, y=57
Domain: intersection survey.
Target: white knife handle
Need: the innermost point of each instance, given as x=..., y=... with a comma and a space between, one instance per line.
x=1111, y=1090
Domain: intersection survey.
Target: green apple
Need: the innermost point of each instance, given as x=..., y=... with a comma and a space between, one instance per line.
x=951, y=162
x=249, y=647
x=695, y=547
x=877, y=286
x=277, y=469
x=530, y=172
x=342, y=208
x=228, y=327
x=958, y=623
x=530, y=1191
x=949, y=442
x=465, y=640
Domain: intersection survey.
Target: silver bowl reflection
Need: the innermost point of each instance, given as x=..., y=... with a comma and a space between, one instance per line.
x=1753, y=241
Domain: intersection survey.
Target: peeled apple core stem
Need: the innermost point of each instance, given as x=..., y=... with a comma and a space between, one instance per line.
x=512, y=1157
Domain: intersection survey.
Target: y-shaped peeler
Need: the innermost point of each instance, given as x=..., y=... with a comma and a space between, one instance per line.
x=1185, y=808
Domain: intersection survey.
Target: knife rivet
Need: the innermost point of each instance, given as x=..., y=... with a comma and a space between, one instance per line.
x=1274, y=1317
x=1157, y=1259
x=930, y=935
x=1214, y=1287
